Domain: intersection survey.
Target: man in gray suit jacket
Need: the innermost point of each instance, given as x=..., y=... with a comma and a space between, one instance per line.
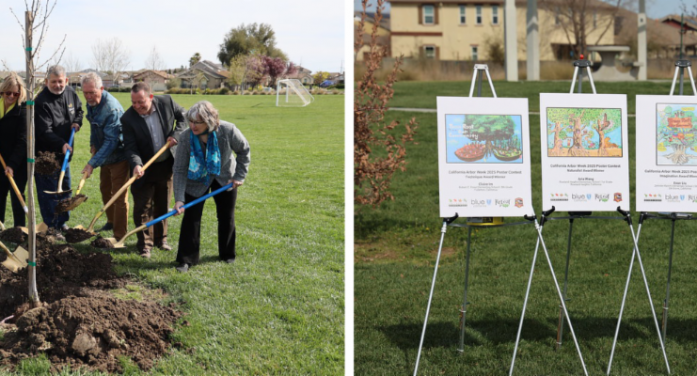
x=148, y=126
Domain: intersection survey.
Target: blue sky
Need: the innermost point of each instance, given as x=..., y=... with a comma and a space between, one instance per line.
x=306, y=31
x=654, y=8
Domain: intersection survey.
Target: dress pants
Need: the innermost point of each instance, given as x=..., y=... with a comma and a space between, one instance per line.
x=111, y=178
x=18, y=214
x=151, y=199
x=190, y=235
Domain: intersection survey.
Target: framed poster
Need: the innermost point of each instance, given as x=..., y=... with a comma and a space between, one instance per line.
x=666, y=145
x=585, y=158
x=484, y=157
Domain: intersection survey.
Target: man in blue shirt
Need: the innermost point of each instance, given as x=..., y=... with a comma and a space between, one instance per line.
x=106, y=146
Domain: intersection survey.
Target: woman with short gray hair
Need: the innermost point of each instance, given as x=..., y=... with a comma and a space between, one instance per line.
x=205, y=162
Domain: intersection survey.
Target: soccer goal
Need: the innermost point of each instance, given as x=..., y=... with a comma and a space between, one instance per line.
x=292, y=93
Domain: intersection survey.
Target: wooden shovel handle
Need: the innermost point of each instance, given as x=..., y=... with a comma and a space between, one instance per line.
x=125, y=186
x=82, y=183
x=14, y=185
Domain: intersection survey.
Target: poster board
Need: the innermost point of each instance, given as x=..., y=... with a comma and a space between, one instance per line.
x=484, y=157
x=585, y=154
x=666, y=145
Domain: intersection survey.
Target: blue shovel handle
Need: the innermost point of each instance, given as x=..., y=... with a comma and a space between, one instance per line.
x=67, y=153
x=190, y=204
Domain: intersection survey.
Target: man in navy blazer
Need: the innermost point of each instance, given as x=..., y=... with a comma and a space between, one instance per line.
x=148, y=125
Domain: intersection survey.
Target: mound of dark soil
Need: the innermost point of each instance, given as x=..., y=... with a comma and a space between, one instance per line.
x=100, y=242
x=13, y=235
x=46, y=163
x=61, y=271
x=92, y=332
x=76, y=235
x=70, y=203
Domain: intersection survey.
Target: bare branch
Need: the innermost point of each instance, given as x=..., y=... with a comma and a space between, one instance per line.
x=47, y=13
x=17, y=18
x=54, y=54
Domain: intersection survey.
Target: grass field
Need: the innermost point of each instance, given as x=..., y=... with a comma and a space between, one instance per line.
x=280, y=308
x=395, y=252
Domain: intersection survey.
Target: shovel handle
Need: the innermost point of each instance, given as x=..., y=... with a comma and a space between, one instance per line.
x=190, y=204
x=67, y=152
x=82, y=183
x=125, y=186
x=14, y=186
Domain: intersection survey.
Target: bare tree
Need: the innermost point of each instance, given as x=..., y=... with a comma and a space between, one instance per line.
x=35, y=20
x=584, y=22
x=154, y=61
x=71, y=63
x=110, y=56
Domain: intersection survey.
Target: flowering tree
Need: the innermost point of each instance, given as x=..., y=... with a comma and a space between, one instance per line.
x=274, y=68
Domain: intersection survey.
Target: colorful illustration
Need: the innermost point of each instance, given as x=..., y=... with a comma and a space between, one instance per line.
x=484, y=139
x=675, y=136
x=584, y=132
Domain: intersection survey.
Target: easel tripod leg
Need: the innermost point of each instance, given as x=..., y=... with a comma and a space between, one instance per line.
x=664, y=319
x=463, y=311
x=430, y=296
x=560, y=326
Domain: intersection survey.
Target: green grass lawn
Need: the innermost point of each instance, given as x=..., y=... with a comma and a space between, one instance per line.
x=396, y=247
x=280, y=308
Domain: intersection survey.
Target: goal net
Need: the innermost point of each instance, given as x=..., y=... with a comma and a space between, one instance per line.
x=292, y=93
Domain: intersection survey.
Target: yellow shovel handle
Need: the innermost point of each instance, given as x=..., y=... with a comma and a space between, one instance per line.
x=82, y=183
x=14, y=186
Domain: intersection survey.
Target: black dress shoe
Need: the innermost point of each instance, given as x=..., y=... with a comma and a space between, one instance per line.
x=107, y=227
x=183, y=267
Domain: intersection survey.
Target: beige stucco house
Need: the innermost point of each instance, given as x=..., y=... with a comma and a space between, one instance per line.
x=462, y=29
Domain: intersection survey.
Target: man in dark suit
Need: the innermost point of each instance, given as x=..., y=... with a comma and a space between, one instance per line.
x=148, y=125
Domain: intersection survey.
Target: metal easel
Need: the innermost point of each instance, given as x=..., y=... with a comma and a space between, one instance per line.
x=479, y=69
x=680, y=66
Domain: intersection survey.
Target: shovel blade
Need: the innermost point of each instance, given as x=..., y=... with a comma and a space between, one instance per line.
x=74, y=202
x=16, y=260
x=11, y=264
x=24, y=230
x=42, y=227
x=22, y=255
x=116, y=243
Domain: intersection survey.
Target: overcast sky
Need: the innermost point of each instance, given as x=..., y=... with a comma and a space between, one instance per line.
x=310, y=32
x=654, y=8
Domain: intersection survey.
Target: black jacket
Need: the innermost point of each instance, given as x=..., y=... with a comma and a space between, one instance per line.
x=13, y=139
x=137, y=141
x=54, y=115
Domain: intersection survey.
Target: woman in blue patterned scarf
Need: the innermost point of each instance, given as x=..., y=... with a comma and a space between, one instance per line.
x=210, y=155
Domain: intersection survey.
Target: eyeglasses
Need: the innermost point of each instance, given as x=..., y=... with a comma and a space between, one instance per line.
x=197, y=122
x=10, y=94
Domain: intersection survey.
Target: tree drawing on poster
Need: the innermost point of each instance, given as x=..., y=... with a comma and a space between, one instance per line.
x=484, y=139
x=675, y=141
x=584, y=132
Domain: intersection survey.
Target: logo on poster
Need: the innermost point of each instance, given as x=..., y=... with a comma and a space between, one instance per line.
x=560, y=197
x=478, y=203
x=692, y=198
x=618, y=197
x=503, y=203
x=673, y=198
x=652, y=197
x=682, y=197
x=488, y=202
x=578, y=197
x=602, y=197
x=457, y=202
x=518, y=202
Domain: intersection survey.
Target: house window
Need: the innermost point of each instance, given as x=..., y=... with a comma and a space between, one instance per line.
x=475, y=53
x=462, y=15
x=479, y=15
x=495, y=14
x=429, y=18
x=430, y=52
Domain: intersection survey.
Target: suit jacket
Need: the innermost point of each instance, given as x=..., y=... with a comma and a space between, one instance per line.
x=13, y=139
x=137, y=140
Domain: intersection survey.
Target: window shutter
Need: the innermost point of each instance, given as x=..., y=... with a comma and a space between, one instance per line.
x=435, y=14
x=437, y=53
x=421, y=14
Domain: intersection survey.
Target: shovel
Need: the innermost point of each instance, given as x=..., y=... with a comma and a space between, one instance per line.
x=17, y=260
x=65, y=165
x=119, y=244
x=130, y=181
x=14, y=186
x=71, y=203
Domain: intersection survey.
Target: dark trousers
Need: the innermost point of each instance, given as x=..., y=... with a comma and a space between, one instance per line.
x=17, y=209
x=150, y=200
x=48, y=202
x=190, y=235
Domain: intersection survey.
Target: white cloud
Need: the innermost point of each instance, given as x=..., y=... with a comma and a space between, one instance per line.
x=310, y=32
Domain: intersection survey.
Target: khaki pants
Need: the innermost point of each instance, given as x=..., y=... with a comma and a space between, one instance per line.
x=112, y=177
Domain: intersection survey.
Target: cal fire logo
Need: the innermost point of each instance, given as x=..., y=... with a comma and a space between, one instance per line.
x=518, y=202
x=618, y=197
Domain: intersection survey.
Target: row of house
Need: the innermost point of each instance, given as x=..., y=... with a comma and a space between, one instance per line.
x=203, y=75
x=463, y=29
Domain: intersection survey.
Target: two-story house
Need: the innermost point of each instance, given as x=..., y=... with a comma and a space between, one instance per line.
x=461, y=29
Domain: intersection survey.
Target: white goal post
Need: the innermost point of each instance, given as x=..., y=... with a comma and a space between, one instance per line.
x=292, y=93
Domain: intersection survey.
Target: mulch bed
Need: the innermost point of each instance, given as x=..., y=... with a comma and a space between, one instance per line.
x=80, y=323
x=46, y=163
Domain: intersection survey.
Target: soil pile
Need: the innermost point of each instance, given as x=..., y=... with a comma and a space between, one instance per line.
x=92, y=332
x=13, y=235
x=70, y=203
x=76, y=235
x=100, y=242
x=46, y=163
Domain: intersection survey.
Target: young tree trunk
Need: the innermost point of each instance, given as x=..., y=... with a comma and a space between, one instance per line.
x=31, y=83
